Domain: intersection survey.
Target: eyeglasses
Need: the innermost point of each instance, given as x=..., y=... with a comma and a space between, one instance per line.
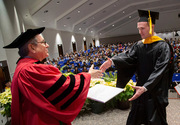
x=45, y=43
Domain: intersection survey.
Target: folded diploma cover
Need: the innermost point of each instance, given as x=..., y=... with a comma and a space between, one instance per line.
x=103, y=93
x=177, y=88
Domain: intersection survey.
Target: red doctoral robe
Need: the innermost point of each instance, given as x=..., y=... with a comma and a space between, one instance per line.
x=41, y=95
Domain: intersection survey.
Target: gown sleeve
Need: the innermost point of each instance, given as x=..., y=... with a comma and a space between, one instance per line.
x=59, y=96
x=125, y=64
x=162, y=63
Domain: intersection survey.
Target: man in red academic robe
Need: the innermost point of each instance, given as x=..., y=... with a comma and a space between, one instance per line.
x=41, y=95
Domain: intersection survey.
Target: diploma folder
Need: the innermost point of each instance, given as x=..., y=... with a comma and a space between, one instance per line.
x=177, y=88
x=103, y=93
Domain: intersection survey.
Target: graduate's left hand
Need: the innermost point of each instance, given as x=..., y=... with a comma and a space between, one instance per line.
x=139, y=91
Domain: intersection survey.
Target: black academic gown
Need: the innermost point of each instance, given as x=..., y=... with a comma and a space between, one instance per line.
x=152, y=64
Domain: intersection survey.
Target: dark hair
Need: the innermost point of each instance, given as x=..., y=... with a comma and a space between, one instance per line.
x=23, y=51
x=6, y=81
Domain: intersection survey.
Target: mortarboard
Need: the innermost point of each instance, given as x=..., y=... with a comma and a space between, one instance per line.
x=148, y=16
x=24, y=37
x=144, y=16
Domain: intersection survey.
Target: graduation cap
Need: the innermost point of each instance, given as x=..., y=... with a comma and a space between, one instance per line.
x=145, y=15
x=24, y=37
x=148, y=16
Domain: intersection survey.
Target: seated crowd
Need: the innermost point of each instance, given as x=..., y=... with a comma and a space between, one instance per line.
x=176, y=46
x=81, y=61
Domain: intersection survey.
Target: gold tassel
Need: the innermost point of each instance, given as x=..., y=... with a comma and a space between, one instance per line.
x=150, y=23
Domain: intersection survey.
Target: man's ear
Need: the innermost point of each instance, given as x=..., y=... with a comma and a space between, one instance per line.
x=31, y=48
x=152, y=26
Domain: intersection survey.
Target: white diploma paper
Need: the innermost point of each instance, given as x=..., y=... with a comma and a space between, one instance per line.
x=102, y=93
x=177, y=88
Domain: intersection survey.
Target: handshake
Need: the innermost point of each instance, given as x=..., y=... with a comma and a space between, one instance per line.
x=98, y=73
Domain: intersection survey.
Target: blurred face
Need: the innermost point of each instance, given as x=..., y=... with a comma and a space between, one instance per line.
x=143, y=28
x=41, y=49
x=8, y=84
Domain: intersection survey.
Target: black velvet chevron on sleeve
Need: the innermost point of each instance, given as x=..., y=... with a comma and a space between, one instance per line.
x=55, y=87
x=65, y=105
x=66, y=92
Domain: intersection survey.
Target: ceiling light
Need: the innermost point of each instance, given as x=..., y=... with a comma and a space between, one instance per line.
x=113, y=25
x=64, y=25
x=90, y=3
x=104, y=21
x=129, y=16
x=43, y=21
x=79, y=11
x=45, y=11
x=91, y=31
x=79, y=28
x=123, y=11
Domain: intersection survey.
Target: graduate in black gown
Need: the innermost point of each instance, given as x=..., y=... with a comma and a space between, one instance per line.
x=151, y=60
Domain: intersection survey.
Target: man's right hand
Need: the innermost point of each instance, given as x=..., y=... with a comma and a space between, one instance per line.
x=95, y=73
x=106, y=65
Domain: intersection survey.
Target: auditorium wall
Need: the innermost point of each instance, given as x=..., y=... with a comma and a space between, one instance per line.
x=11, y=25
x=121, y=39
x=137, y=37
x=50, y=37
x=169, y=35
x=2, y=51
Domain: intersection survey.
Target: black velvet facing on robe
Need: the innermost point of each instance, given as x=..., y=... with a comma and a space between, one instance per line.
x=66, y=92
x=55, y=87
x=65, y=105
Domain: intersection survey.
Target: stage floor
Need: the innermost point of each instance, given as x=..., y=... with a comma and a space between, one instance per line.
x=119, y=117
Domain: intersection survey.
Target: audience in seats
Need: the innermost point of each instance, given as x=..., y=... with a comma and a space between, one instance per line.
x=97, y=55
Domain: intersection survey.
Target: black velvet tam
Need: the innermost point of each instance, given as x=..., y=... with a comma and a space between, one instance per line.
x=24, y=37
